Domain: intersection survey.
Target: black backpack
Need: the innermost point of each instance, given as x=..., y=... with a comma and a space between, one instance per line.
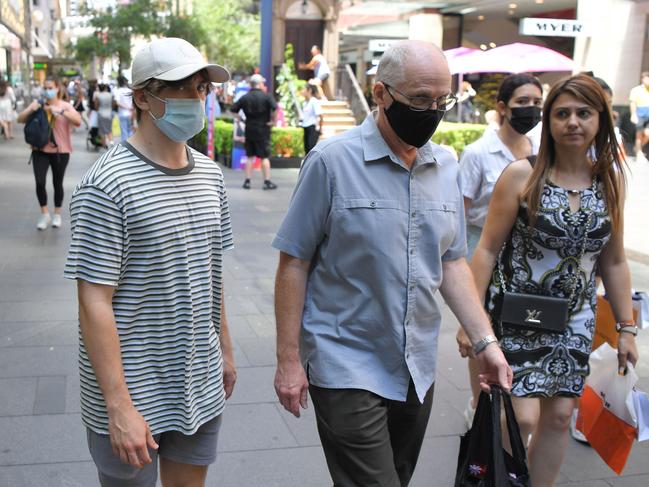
x=37, y=129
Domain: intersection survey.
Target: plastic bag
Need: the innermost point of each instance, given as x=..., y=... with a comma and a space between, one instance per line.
x=482, y=461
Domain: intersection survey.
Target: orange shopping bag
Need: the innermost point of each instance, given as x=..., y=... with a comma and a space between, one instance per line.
x=605, y=323
x=606, y=412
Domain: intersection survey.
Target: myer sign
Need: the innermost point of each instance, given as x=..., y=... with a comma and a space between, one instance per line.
x=553, y=27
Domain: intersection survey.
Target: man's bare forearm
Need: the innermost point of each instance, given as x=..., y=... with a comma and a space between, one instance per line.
x=224, y=337
x=459, y=291
x=290, y=290
x=99, y=332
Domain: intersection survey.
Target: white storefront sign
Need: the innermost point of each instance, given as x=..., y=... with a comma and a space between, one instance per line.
x=380, y=45
x=553, y=27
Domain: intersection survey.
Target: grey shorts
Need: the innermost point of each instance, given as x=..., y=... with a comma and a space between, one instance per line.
x=196, y=449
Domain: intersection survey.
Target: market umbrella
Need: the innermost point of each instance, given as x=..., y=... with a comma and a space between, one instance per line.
x=518, y=58
x=460, y=59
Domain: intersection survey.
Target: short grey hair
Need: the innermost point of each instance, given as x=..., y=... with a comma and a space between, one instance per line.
x=256, y=80
x=392, y=64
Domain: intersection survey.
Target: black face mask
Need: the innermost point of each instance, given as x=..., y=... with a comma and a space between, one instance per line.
x=414, y=128
x=525, y=119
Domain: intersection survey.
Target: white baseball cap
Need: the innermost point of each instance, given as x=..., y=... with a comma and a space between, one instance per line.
x=172, y=59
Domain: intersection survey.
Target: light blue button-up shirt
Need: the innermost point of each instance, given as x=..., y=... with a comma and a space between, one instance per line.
x=376, y=233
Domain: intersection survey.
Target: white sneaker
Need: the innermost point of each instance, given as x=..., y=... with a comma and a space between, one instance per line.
x=56, y=221
x=574, y=432
x=43, y=221
x=469, y=413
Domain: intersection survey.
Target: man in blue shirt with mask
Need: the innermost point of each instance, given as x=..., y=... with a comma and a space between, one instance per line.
x=375, y=228
x=150, y=224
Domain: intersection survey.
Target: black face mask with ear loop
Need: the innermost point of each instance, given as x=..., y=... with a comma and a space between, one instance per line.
x=524, y=119
x=414, y=128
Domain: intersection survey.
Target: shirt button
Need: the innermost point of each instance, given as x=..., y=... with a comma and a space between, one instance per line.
x=412, y=288
x=412, y=251
x=413, y=213
x=407, y=355
x=444, y=207
x=373, y=204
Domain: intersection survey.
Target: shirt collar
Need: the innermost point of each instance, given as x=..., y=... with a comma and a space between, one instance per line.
x=375, y=148
x=494, y=144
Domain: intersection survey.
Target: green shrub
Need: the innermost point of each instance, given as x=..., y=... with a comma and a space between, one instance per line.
x=458, y=135
x=223, y=136
x=287, y=141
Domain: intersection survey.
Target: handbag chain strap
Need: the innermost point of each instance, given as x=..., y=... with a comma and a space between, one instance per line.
x=574, y=278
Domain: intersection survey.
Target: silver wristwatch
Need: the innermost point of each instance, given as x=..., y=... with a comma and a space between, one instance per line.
x=482, y=344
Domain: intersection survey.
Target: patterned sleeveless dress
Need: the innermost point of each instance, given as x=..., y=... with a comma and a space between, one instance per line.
x=544, y=260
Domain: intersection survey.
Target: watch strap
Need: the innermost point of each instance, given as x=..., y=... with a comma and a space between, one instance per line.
x=483, y=343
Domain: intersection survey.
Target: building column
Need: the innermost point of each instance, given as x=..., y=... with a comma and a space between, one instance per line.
x=427, y=25
x=615, y=49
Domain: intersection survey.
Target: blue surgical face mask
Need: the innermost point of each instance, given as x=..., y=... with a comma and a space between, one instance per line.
x=51, y=93
x=183, y=118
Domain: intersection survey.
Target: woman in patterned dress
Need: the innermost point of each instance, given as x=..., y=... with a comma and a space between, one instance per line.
x=558, y=219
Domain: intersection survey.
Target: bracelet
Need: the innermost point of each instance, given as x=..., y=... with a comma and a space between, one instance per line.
x=482, y=344
x=628, y=327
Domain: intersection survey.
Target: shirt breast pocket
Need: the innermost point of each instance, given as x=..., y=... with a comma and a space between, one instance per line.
x=441, y=221
x=364, y=219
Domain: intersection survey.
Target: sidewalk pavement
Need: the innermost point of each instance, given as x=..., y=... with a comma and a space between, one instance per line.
x=42, y=441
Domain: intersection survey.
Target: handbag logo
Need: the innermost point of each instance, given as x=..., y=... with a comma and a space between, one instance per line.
x=533, y=317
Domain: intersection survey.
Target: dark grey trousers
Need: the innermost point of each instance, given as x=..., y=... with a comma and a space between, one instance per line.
x=369, y=440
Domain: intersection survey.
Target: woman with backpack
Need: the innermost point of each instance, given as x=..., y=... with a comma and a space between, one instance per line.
x=56, y=148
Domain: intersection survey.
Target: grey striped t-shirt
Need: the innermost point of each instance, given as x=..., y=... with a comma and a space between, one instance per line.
x=158, y=236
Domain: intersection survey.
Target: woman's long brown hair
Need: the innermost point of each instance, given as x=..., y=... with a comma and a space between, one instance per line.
x=608, y=166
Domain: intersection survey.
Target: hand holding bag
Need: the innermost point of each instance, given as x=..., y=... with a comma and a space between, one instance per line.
x=482, y=461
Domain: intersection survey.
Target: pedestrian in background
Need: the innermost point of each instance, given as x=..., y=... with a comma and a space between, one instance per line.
x=518, y=105
x=321, y=70
x=639, y=107
x=79, y=102
x=124, y=100
x=150, y=224
x=56, y=153
x=104, y=105
x=559, y=219
x=374, y=230
x=259, y=108
x=311, y=117
x=7, y=112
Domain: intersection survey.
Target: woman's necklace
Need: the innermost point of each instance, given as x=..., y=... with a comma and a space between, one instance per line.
x=574, y=192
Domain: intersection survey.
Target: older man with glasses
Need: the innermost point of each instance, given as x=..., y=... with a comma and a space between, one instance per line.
x=375, y=228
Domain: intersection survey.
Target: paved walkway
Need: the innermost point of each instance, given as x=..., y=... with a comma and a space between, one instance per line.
x=42, y=442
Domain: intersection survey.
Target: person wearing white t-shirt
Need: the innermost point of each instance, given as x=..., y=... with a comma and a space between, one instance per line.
x=311, y=118
x=124, y=98
x=519, y=102
x=320, y=69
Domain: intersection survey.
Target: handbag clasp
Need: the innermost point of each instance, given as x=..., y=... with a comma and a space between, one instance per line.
x=533, y=317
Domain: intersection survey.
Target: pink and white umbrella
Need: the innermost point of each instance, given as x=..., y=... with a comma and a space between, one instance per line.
x=518, y=58
x=460, y=59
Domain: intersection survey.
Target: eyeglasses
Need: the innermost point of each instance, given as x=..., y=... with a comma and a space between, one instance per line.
x=202, y=88
x=422, y=103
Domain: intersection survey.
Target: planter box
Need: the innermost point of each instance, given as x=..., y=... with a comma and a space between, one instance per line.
x=285, y=162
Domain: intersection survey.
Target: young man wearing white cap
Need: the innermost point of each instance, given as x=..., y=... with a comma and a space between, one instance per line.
x=150, y=222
